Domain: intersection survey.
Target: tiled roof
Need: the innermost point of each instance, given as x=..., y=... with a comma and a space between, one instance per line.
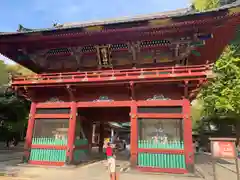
x=164, y=15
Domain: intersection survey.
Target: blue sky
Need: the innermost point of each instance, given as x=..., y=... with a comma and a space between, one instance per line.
x=43, y=13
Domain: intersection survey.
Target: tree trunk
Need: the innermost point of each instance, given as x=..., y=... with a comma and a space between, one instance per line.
x=237, y=129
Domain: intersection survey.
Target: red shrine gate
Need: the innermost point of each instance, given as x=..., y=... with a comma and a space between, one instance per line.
x=183, y=115
x=143, y=70
x=144, y=109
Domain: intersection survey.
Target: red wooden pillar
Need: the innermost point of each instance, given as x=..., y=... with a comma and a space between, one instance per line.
x=29, y=134
x=134, y=134
x=187, y=136
x=71, y=132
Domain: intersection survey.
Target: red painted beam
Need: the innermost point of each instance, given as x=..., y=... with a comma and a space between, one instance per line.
x=41, y=146
x=162, y=170
x=105, y=104
x=50, y=116
x=160, y=103
x=161, y=151
x=160, y=115
x=47, y=163
x=53, y=105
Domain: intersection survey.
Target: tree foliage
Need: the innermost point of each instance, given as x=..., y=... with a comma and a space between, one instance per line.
x=13, y=109
x=203, y=5
x=3, y=73
x=17, y=69
x=196, y=113
x=221, y=96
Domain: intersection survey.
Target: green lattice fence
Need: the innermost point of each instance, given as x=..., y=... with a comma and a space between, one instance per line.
x=80, y=154
x=153, y=145
x=52, y=155
x=161, y=160
x=49, y=141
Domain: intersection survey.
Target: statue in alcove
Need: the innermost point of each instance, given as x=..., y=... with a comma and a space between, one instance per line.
x=104, y=56
x=159, y=136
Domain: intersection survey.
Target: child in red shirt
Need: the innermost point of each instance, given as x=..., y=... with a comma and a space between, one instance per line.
x=111, y=162
x=109, y=151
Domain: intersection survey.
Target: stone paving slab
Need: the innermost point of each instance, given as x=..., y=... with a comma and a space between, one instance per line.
x=12, y=178
x=225, y=168
x=97, y=171
x=229, y=164
x=94, y=171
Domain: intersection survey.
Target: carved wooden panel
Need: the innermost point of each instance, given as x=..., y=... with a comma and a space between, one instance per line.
x=55, y=64
x=89, y=60
x=146, y=57
x=59, y=62
x=121, y=58
x=70, y=63
x=163, y=56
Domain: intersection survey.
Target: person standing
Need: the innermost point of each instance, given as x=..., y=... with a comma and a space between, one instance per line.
x=111, y=159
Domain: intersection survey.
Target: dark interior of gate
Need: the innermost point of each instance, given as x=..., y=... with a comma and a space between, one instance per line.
x=101, y=124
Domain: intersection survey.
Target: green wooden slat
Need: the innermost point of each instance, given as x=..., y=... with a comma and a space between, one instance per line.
x=161, y=160
x=169, y=145
x=49, y=141
x=48, y=155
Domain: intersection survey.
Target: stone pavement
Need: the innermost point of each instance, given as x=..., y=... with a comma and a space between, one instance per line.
x=97, y=171
x=229, y=164
x=225, y=169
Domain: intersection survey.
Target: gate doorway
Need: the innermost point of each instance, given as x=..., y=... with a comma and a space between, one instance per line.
x=99, y=124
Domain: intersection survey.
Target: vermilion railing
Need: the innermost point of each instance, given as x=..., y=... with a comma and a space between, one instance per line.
x=113, y=75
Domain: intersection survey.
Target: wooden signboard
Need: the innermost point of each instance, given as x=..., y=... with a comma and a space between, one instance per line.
x=223, y=148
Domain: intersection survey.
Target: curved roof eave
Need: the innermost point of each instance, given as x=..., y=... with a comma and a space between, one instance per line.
x=164, y=15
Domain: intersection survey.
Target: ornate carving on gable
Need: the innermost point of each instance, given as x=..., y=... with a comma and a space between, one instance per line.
x=158, y=97
x=103, y=98
x=53, y=99
x=134, y=48
x=77, y=53
x=38, y=58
